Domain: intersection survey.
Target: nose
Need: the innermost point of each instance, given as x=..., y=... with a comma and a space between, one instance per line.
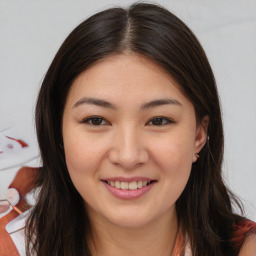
x=127, y=149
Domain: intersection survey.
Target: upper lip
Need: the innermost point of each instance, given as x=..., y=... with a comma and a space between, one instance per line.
x=127, y=179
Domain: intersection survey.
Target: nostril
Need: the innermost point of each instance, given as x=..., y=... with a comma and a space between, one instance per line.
x=128, y=155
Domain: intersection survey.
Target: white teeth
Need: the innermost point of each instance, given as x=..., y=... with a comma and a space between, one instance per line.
x=133, y=185
x=124, y=185
x=117, y=184
x=128, y=185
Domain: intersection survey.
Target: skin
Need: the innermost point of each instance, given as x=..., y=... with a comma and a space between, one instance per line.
x=129, y=142
x=249, y=246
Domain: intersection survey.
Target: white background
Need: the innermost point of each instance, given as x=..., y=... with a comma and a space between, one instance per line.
x=32, y=31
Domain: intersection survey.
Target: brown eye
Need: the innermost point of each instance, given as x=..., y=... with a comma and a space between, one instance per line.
x=95, y=120
x=158, y=121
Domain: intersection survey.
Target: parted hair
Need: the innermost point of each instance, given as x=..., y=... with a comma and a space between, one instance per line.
x=58, y=224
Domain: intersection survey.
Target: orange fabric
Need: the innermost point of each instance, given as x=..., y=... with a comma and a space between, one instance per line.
x=7, y=247
x=24, y=180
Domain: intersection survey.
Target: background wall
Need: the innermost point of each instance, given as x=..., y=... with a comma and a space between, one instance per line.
x=31, y=32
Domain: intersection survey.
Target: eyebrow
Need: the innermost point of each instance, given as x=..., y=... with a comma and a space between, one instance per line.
x=106, y=104
x=160, y=102
x=94, y=101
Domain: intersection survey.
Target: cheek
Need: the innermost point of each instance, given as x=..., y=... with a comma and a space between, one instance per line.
x=174, y=159
x=79, y=158
x=174, y=154
x=84, y=157
x=81, y=164
x=175, y=167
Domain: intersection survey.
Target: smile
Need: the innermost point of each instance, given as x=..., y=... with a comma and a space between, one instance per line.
x=128, y=185
x=130, y=188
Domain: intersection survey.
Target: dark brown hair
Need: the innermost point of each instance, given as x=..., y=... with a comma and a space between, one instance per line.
x=58, y=224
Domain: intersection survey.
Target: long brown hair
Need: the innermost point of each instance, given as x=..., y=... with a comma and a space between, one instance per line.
x=58, y=224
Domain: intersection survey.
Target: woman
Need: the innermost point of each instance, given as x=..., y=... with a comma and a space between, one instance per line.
x=130, y=132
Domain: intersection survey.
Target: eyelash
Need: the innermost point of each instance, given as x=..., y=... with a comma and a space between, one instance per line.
x=161, y=118
x=90, y=120
x=163, y=121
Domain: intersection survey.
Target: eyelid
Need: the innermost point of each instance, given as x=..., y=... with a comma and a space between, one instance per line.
x=89, y=118
x=169, y=120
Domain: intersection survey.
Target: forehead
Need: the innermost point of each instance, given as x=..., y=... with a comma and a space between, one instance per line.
x=125, y=76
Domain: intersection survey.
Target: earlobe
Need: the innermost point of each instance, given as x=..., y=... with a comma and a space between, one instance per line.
x=201, y=136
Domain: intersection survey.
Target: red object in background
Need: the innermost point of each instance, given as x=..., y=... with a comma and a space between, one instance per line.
x=21, y=142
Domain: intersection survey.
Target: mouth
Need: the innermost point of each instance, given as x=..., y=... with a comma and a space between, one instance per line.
x=129, y=185
x=128, y=188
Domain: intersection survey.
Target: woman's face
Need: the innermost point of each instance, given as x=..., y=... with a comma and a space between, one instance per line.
x=130, y=138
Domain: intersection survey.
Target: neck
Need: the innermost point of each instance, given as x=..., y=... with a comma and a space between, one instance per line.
x=155, y=238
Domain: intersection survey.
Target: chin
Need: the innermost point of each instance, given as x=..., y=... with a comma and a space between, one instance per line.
x=127, y=222
x=130, y=219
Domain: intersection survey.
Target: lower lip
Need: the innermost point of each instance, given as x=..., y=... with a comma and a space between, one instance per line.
x=129, y=194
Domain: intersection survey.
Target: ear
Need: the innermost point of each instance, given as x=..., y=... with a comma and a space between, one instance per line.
x=201, y=136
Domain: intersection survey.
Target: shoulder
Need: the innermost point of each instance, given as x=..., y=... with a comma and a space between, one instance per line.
x=249, y=246
x=244, y=237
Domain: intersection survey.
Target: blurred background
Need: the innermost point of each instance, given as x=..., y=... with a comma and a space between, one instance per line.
x=32, y=31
